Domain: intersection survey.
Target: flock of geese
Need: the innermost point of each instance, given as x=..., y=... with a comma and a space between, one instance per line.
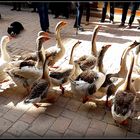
x=86, y=75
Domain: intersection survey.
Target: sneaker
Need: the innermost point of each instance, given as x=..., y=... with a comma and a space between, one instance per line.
x=87, y=23
x=18, y=9
x=13, y=9
x=121, y=25
x=111, y=21
x=80, y=28
x=101, y=20
x=138, y=27
x=128, y=27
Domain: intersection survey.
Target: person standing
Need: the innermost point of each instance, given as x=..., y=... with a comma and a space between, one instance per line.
x=43, y=15
x=126, y=5
x=16, y=6
x=79, y=13
x=104, y=10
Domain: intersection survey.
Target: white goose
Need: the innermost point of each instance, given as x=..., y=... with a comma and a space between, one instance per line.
x=58, y=50
x=5, y=57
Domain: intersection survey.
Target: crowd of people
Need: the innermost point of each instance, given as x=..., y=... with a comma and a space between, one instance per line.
x=63, y=8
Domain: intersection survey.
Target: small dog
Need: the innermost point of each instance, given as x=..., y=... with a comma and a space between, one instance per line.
x=15, y=28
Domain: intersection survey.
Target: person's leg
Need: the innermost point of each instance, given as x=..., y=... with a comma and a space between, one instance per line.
x=41, y=16
x=46, y=16
x=124, y=14
x=57, y=9
x=18, y=6
x=104, y=11
x=133, y=13
x=14, y=6
x=112, y=11
x=87, y=12
x=80, y=14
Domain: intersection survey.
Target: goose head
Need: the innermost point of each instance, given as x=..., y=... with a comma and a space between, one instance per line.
x=40, y=33
x=60, y=25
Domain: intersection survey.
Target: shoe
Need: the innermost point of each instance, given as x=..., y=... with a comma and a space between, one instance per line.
x=80, y=28
x=138, y=21
x=87, y=23
x=33, y=11
x=101, y=20
x=13, y=9
x=18, y=9
x=121, y=25
x=138, y=27
x=55, y=16
x=128, y=27
x=111, y=21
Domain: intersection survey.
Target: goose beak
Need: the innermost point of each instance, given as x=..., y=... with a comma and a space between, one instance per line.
x=85, y=99
x=11, y=37
x=64, y=23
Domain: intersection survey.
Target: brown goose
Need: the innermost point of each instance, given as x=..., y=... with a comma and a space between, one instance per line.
x=124, y=99
x=33, y=55
x=40, y=87
x=28, y=73
x=89, y=81
x=89, y=61
x=120, y=76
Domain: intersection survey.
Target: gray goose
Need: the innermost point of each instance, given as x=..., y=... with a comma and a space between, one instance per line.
x=124, y=100
x=89, y=61
x=112, y=85
x=90, y=80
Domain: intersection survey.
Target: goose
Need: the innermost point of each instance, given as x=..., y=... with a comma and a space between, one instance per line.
x=89, y=81
x=89, y=61
x=62, y=74
x=29, y=73
x=5, y=56
x=123, y=104
x=40, y=87
x=120, y=76
x=58, y=51
x=33, y=55
x=123, y=66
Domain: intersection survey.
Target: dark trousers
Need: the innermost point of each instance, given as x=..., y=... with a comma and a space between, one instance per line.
x=133, y=11
x=104, y=10
x=16, y=5
x=79, y=9
x=43, y=15
x=87, y=6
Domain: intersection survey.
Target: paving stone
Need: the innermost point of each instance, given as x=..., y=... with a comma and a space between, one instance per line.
x=113, y=131
x=52, y=134
x=54, y=110
x=80, y=124
x=28, y=134
x=108, y=118
x=4, y=125
x=98, y=126
x=18, y=128
x=132, y=135
x=69, y=114
x=42, y=124
x=7, y=135
x=72, y=134
x=135, y=127
x=61, y=124
x=27, y=118
x=13, y=115
x=73, y=105
x=62, y=101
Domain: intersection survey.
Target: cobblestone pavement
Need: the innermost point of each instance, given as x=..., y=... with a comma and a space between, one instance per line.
x=67, y=117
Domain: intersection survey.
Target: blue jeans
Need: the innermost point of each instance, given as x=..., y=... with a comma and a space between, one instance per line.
x=43, y=15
